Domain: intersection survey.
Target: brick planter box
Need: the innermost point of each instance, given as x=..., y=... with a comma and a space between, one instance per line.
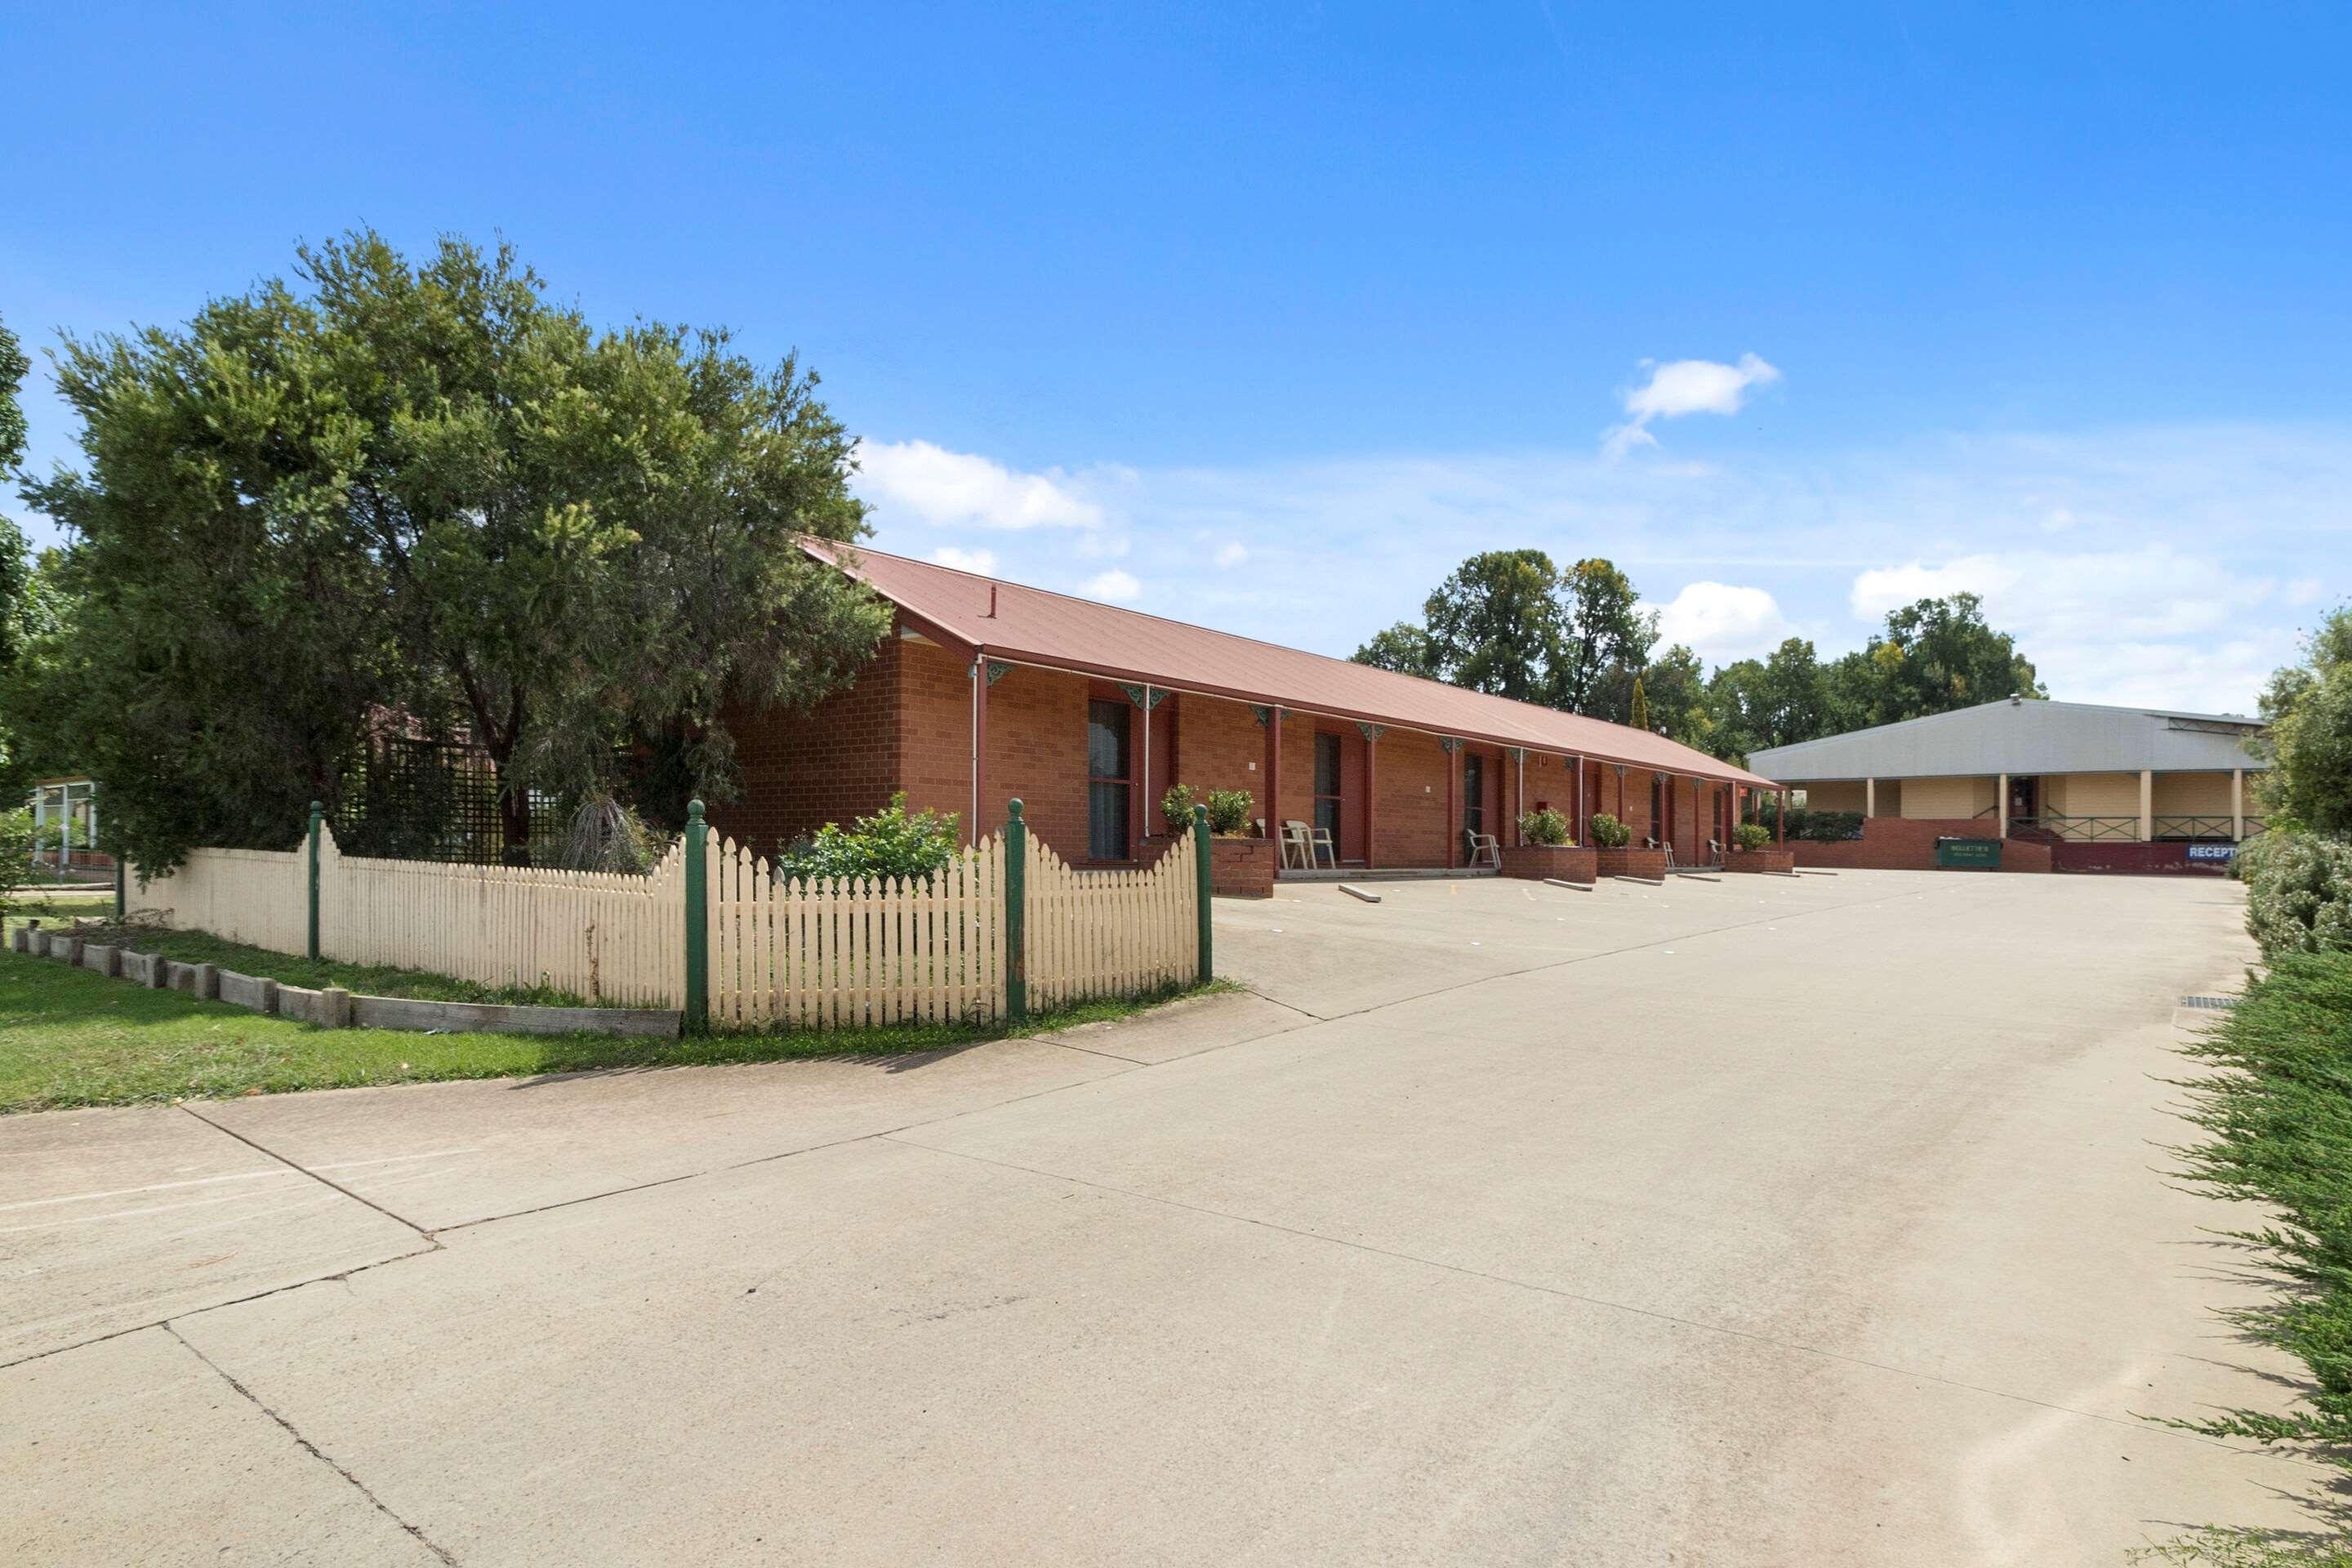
x=1781, y=862
x=1560, y=862
x=1631, y=861
x=1242, y=868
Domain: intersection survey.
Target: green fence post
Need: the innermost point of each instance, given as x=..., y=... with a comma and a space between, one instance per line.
x=1201, y=881
x=1016, y=916
x=318, y=817
x=698, y=925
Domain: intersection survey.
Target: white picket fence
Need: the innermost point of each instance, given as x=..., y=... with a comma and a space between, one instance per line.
x=830, y=954
x=601, y=935
x=1109, y=933
x=838, y=953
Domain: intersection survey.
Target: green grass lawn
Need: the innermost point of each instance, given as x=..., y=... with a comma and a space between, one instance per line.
x=72, y=1036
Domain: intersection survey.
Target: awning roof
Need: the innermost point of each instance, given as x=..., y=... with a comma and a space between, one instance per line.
x=1031, y=625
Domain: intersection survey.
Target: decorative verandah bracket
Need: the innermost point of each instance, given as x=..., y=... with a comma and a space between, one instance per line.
x=997, y=671
x=1371, y=731
x=1263, y=713
x=1144, y=697
x=1450, y=744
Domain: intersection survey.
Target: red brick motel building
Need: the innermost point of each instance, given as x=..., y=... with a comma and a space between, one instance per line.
x=987, y=690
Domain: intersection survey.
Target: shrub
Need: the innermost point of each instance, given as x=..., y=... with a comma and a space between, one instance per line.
x=1176, y=805
x=1229, y=810
x=890, y=842
x=1545, y=827
x=1752, y=835
x=16, y=846
x=2299, y=892
x=1610, y=833
x=1825, y=827
x=2278, y=1115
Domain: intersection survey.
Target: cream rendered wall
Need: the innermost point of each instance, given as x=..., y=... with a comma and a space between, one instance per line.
x=1949, y=798
x=2100, y=795
x=2192, y=795
x=1834, y=795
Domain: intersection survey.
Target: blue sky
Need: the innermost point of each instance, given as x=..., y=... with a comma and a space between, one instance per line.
x=1264, y=316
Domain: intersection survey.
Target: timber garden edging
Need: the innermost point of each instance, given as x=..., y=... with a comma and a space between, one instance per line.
x=332, y=1007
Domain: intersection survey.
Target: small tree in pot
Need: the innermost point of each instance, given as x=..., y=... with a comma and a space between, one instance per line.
x=1545, y=826
x=1609, y=833
x=1752, y=835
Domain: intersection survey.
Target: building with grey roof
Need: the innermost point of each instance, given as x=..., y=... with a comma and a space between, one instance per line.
x=2062, y=772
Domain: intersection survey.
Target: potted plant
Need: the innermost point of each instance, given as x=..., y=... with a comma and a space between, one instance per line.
x=1547, y=852
x=1615, y=855
x=1240, y=865
x=1754, y=851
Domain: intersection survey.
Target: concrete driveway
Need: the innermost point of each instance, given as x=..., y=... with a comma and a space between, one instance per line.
x=1759, y=1221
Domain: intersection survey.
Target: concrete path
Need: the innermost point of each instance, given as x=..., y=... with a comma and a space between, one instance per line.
x=1761, y=1221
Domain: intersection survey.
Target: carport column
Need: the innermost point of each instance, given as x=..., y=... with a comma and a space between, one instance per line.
x=2146, y=805
x=1372, y=733
x=1870, y=798
x=979, y=684
x=1519, y=800
x=1449, y=746
x=2000, y=805
x=1584, y=823
x=1272, y=717
x=2237, y=806
x=1780, y=833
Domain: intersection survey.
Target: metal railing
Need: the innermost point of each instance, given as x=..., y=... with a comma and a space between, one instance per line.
x=2080, y=829
x=2125, y=829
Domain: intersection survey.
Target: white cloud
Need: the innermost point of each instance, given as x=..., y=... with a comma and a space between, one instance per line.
x=1685, y=387
x=980, y=560
x=947, y=489
x=2153, y=623
x=2197, y=554
x=1721, y=621
x=1232, y=554
x=1114, y=587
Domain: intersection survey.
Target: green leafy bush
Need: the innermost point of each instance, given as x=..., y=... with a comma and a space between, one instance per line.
x=1229, y=810
x=2299, y=892
x=1752, y=835
x=1825, y=827
x=1610, y=833
x=1176, y=805
x=2278, y=1116
x=890, y=842
x=18, y=842
x=1545, y=827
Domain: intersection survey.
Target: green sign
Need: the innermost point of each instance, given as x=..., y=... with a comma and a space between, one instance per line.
x=1968, y=854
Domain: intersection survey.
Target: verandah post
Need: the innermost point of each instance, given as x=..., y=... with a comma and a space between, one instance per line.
x=317, y=816
x=1016, y=914
x=1200, y=884
x=698, y=925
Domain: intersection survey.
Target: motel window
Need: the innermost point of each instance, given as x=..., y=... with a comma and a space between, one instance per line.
x=1106, y=781
x=1326, y=786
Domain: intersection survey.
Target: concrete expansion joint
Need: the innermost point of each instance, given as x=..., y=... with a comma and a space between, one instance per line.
x=313, y=1176
x=311, y=1448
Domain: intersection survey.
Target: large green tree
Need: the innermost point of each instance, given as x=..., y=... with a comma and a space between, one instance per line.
x=2309, y=746
x=421, y=491
x=1404, y=648
x=1606, y=640
x=22, y=607
x=1935, y=656
x=1494, y=625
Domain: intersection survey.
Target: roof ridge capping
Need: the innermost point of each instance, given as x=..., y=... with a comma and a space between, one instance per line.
x=1509, y=722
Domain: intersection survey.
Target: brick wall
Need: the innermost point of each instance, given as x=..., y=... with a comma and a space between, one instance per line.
x=800, y=771
x=1221, y=745
x=1908, y=844
x=2134, y=858
x=934, y=730
x=1410, y=784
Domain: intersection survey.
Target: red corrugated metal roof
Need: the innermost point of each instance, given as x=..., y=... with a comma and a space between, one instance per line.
x=1033, y=626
